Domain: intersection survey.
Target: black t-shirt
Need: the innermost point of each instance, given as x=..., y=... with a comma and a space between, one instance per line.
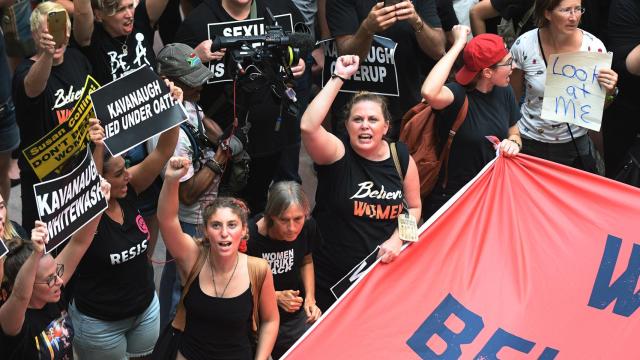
x=5, y=73
x=492, y=113
x=38, y=115
x=413, y=65
x=515, y=10
x=107, y=54
x=624, y=36
x=262, y=104
x=114, y=280
x=284, y=257
x=47, y=333
x=358, y=202
x=447, y=14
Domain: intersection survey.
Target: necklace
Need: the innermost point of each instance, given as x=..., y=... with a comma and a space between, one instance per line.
x=125, y=48
x=213, y=277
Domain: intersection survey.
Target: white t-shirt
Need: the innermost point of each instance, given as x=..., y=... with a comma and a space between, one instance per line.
x=527, y=56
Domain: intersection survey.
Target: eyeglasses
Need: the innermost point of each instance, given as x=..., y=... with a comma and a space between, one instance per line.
x=578, y=10
x=508, y=63
x=51, y=279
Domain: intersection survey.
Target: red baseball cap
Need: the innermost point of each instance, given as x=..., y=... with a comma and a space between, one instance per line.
x=481, y=52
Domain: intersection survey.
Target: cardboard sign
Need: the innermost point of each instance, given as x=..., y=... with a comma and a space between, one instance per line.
x=251, y=27
x=572, y=93
x=377, y=73
x=52, y=151
x=134, y=108
x=69, y=202
x=531, y=260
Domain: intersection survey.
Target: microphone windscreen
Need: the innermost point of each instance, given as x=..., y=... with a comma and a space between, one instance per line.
x=302, y=41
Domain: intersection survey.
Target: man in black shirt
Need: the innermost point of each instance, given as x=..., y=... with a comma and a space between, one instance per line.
x=264, y=123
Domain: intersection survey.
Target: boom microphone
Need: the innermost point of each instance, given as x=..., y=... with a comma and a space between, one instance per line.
x=297, y=40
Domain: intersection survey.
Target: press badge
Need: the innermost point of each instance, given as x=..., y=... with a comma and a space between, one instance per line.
x=407, y=227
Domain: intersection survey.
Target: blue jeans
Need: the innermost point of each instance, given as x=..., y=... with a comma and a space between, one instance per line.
x=170, y=287
x=132, y=337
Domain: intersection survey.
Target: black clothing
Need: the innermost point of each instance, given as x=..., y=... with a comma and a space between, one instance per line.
x=447, y=14
x=114, y=279
x=262, y=104
x=412, y=64
x=107, y=54
x=515, y=10
x=216, y=328
x=46, y=333
x=621, y=120
x=492, y=113
x=39, y=115
x=358, y=202
x=284, y=257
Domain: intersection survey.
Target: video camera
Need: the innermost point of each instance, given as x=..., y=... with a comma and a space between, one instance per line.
x=266, y=59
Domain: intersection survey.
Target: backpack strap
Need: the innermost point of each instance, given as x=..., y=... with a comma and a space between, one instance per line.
x=258, y=268
x=181, y=313
x=444, y=155
x=396, y=161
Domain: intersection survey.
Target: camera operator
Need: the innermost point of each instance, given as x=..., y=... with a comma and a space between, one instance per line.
x=264, y=124
x=179, y=63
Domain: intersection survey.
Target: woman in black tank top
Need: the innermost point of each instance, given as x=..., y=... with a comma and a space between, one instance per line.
x=223, y=301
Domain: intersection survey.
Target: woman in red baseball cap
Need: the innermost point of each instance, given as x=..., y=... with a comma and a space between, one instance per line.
x=492, y=110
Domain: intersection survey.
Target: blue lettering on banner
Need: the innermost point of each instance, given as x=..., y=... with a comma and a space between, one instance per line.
x=622, y=289
x=435, y=325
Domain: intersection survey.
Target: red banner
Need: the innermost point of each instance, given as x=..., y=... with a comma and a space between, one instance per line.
x=534, y=261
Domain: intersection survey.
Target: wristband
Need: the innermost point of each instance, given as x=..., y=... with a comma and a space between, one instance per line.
x=214, y=166
x=334, y=75
x=517, y=143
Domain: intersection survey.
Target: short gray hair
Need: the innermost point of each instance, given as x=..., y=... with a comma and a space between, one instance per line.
x=282, y=195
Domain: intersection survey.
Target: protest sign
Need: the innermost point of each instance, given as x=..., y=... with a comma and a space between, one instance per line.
x=532, y=260
x=67, y=203
x=134, y=108
x=251, y=27
x=69, y=138
x=356, y=273
x=572, y=93
x=377, y=72
x=3, y=249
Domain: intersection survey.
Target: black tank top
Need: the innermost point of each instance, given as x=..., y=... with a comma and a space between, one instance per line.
x=217, y=328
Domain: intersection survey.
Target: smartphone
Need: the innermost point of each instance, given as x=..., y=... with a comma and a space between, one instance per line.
x=57, y=24
x=391, y=2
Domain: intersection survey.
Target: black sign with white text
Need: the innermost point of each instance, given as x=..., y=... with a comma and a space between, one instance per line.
x=251, y=27
x=356, y=273
x=67, y=203
x=377, y=73
x=134, y=108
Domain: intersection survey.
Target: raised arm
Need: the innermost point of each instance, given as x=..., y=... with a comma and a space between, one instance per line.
x=180, y=245
x=322, y=146
x=479, y=13
x=36, y=80
x=13, y=311
x=431, y=40
x=155, y=8
x=144, y=173
x=379, y=19
x=82, y=22
x=269, y=319
x=80, y=241
x=433, y=89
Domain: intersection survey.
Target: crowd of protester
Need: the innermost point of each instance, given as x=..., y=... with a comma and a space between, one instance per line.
x=250, y=262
